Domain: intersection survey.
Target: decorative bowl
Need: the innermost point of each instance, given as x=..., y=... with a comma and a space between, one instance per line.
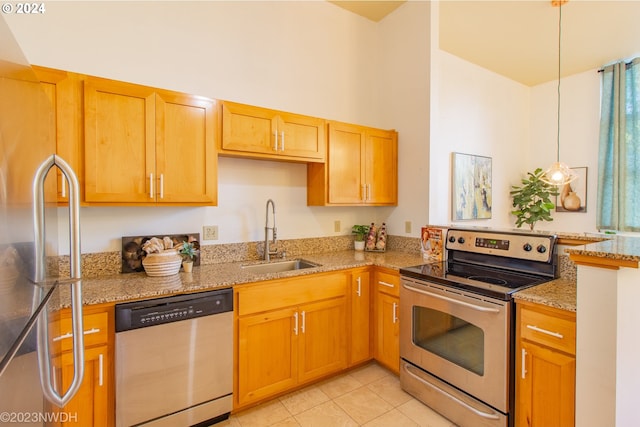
x=165, y=263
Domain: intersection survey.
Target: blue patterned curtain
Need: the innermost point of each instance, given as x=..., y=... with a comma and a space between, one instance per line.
x=619, y=153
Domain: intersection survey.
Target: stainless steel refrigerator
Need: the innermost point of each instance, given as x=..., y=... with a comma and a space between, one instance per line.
x=31, y=288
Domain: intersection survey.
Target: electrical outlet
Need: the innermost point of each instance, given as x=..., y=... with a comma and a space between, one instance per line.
x=336, y=226
x=407, y=226
x=210, y=232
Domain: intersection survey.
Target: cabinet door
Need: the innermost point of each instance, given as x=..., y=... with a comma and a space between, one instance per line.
x=301, y=136
x=119, y=142
x=248, y=129
x=186, y=159
x=267, y=354
x=90, y=406
x=545, y=387
x=322, y=338
x=64, y=90
x=360, y=318
x=345, y=163
x=387, y=339
x=381, y=161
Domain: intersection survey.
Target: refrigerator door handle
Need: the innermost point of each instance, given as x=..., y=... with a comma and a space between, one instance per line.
x=76, y=273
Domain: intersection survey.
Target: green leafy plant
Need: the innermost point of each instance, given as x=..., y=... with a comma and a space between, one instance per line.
x=532, y=200
x=188, y=251
x=360, y=231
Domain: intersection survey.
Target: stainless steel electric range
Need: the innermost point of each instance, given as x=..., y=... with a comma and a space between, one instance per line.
x=458, y=322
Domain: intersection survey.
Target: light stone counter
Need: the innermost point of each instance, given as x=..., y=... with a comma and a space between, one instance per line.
x=133, y=286
x=559, y=293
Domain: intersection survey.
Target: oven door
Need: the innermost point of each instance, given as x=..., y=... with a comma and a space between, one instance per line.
x=459, y=337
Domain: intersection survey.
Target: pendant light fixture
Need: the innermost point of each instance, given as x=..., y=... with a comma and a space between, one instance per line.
x=559, y=173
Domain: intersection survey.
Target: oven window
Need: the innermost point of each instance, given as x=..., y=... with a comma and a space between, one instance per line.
x=449, y=337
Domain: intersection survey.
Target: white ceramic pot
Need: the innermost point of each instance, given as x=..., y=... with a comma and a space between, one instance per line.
x=358, y=245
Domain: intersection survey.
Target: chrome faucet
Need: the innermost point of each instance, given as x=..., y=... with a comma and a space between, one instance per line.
x=267, y=250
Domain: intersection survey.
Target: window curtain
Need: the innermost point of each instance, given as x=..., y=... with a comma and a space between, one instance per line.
x=619, y=152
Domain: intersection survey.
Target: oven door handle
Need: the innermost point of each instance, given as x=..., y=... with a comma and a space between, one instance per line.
x=490, y=416
x=455, y=301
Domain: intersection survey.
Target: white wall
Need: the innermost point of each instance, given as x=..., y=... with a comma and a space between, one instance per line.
x=307, y=57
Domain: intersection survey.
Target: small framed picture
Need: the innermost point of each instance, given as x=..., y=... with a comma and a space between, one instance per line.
x=573, y=196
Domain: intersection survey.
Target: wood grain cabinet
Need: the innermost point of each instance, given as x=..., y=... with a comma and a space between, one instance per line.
x=147, y=146
x=387, y=321
x=255, y=132
x=545, y=366
x=93, y=404
x=64, y=91
x=361, y=168
x=360, y=316
x=289, y=332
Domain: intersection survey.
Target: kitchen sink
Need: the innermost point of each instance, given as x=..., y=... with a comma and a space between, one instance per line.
x=279, y=266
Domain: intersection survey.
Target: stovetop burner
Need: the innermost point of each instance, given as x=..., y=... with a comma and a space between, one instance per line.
x=488, y=281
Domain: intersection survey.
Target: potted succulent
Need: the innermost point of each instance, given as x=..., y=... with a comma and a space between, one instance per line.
x=188, y=252
x=360, y=231
x=533, y=200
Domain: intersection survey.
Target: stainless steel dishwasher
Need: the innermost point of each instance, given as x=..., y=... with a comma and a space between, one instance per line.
x=174, y=360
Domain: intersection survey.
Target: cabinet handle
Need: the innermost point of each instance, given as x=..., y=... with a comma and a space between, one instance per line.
x=304, y=320
x=69, y=334
x=523, y=368
x=162, y=186
x=151, y=185
x=544, y=331
x=395, y=312
x=295, y=323
x=368, y=192
x=282, y=140
x=389, y=285
x=100, y=366
x=359, y=291
x=63, y=183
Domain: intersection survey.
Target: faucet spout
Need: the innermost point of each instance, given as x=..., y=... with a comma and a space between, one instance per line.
x=267, y=251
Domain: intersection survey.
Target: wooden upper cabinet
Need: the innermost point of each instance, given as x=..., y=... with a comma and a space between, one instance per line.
x=64, y=91
x=144, y=145
x=260, y=133
x=361, y=168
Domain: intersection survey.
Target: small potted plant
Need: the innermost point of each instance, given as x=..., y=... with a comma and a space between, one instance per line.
x=188, y=252
x=532, y=200
x=360, y=231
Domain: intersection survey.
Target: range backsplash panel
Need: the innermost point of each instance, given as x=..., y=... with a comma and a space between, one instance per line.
x=132, y=253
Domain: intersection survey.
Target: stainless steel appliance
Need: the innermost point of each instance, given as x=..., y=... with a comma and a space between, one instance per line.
x=174, y=360
x=457, y=322
x=29, y=286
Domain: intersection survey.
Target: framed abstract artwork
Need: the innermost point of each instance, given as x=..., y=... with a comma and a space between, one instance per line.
x=471, y=187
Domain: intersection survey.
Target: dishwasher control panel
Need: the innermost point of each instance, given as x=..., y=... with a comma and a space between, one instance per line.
x=141, y=314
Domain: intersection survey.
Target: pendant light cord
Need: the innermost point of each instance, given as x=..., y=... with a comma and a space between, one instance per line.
x=559, y=77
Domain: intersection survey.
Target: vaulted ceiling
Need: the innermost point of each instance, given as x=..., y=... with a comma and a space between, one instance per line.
x=519, y=39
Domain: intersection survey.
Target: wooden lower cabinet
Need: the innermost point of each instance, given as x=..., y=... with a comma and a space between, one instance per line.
x=386, y=341
x=94, y=403
x=360, y=316
x=545, y=366
x=303, y=340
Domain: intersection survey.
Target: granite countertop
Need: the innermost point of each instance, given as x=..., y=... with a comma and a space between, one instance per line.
x=558, y=293
x=622, y=249
x=133, y=286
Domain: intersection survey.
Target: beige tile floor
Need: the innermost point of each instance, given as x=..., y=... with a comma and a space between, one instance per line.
x=368, y=396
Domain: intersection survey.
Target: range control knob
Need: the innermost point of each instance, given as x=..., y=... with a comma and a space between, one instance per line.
x=461, y=240
x=541, y=249
x=527, y=247
x=452, y=239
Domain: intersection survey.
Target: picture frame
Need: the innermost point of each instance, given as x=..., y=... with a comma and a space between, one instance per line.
x=564, y=203
x=471, y=187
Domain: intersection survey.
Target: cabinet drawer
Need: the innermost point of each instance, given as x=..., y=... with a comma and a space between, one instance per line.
x=388, y=283
x=95, y=328
x=555, y=331
x=286, y=293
